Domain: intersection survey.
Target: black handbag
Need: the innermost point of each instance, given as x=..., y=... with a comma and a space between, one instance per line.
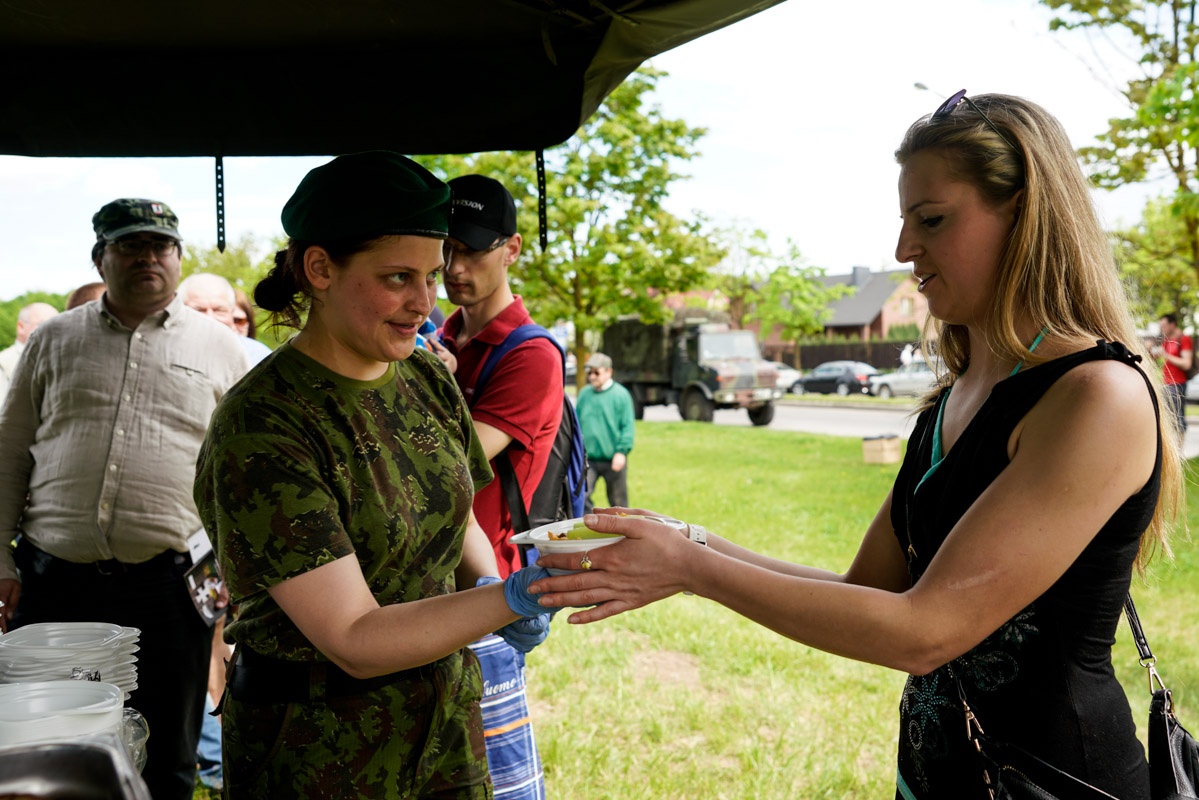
x=1173, y=753
x=1012, y=773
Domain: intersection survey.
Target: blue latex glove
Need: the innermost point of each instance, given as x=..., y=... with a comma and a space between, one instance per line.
x=516, y=591
x=527, y=633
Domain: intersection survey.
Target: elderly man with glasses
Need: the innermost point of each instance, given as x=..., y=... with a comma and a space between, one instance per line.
x=213, y=295
x=106, y=415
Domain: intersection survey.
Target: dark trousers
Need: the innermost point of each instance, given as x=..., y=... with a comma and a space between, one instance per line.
x=175, y=645
x=1176, y=399
x=617, y=483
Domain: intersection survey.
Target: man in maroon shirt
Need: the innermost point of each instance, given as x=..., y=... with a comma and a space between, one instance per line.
x=516, y=416
x=521, y=407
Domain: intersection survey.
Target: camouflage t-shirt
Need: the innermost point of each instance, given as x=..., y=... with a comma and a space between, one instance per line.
x=302, y=466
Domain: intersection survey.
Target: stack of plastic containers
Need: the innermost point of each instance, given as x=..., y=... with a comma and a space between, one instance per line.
x=65, y=651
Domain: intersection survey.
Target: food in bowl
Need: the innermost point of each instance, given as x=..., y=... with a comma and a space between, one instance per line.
x=579, y=531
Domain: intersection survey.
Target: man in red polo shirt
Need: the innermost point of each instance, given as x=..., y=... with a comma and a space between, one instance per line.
x=1175, y=352
x=517, y=415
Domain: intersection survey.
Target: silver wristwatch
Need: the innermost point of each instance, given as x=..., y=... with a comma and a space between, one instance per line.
x=697, y=534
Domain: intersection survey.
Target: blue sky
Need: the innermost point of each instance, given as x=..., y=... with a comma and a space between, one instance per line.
x=804, y=103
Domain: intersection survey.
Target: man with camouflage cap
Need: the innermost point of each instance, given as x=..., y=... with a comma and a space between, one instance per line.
x=109, y=407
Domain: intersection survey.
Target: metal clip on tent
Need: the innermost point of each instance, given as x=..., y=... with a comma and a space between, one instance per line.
x=541, y=218
x=220, y=204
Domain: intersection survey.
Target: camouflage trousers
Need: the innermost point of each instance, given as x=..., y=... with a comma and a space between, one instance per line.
x=409, y=739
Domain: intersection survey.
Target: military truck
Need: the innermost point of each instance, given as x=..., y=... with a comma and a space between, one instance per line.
x=696, y=364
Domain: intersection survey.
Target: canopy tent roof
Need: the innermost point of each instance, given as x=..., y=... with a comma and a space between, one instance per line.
x=305, y=77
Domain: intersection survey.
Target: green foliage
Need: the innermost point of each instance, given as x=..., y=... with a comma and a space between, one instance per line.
x=1160, y=133
x=613, y=249
x=907, y=332
x=795, y=299
x=747, y=262
x=240, y=264
x=9, y=309
x=1155, y=262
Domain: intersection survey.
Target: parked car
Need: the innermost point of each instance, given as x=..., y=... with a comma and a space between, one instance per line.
x=914, y=378
x=1192, y=392
x=788, y=377
x=843, y=377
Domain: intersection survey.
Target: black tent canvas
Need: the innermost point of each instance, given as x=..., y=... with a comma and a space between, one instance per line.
x=264, y=77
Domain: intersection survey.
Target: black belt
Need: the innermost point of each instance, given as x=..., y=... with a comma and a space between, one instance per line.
x=30, y=556
x=260, y=679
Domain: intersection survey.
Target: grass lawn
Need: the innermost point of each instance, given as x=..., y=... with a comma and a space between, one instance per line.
x=685, y=699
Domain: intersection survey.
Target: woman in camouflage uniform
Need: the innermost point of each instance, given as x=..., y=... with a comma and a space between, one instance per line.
x=336, y=484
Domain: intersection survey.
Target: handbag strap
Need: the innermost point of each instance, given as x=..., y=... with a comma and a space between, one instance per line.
x=1138, y=633
x=1147, y=659
x=974, y=729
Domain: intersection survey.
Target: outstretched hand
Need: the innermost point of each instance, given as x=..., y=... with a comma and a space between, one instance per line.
x=652, y=562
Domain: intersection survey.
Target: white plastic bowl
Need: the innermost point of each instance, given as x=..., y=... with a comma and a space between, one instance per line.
x=64, y=634
x=540, y=538
x=31, y=712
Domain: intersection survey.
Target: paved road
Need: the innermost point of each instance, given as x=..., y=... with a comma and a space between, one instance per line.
x=850, y=420
x=834, y=420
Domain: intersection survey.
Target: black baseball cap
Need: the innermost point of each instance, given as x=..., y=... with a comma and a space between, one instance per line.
x=482, y=211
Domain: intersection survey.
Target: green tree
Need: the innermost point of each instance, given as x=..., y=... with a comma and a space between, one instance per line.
x=1156, y=263
x=794, y=299
x=745, y=266
x=9, y=309
x=613, y=249
x=1159, y=135
x=241, y=264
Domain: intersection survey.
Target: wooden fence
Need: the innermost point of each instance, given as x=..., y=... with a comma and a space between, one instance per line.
x=879, y=353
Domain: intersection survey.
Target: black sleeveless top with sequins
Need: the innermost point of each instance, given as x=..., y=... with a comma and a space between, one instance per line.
x=1044, y=680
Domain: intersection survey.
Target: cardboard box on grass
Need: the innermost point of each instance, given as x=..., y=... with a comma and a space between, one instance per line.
x=880, y=449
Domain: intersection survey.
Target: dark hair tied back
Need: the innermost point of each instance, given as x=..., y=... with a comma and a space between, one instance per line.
x=276, y=291
x=281, y=292
x=285, y=291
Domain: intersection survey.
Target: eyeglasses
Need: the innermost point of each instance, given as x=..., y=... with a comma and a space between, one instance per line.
x=134, y=247
x=593, y=371
x=946, y=108
x=449, y=252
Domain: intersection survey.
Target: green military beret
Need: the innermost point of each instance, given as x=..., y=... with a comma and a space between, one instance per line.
x=365, y=195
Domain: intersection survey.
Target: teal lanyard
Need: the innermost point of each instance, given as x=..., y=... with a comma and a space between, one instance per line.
x=937, y=455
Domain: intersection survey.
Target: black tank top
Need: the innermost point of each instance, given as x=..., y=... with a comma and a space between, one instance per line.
x=1044, y=680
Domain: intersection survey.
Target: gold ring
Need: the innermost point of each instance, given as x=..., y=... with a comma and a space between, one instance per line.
x=586, y=562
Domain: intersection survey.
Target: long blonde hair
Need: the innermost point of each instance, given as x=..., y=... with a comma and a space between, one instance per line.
x=1057, y=266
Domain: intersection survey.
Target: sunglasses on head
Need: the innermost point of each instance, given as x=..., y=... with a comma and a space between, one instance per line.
x=956, y=99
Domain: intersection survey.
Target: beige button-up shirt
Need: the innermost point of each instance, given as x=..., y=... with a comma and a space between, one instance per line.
x=8, y=364
x=101, y=429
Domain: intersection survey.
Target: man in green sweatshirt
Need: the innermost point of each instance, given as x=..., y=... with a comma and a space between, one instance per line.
x=605, y=411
